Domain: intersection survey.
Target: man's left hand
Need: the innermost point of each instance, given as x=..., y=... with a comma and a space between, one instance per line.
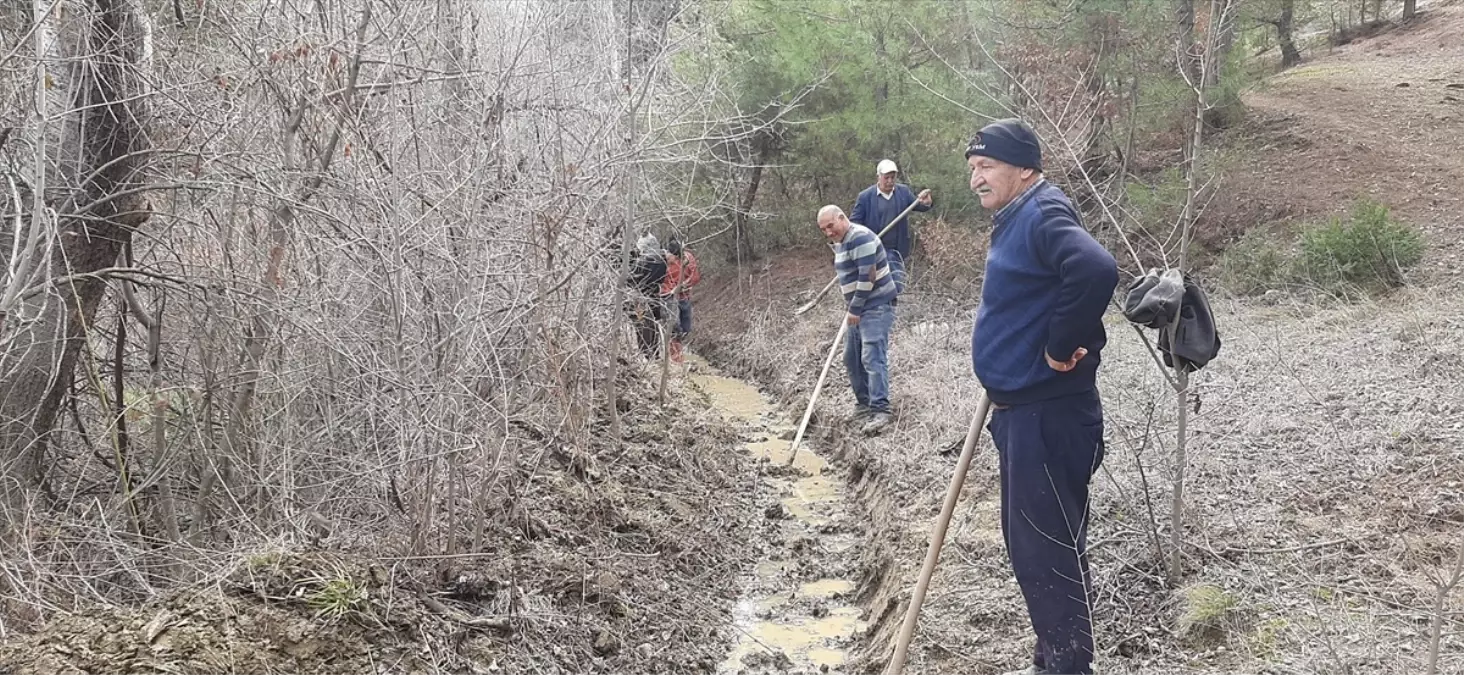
x=1064, y=366
x=924, y=197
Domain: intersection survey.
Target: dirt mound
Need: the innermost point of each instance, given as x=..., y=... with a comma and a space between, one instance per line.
x=613, y=559
x=296, y=612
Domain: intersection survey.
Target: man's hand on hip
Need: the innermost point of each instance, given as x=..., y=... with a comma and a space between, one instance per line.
x=1064, y=366
x=853, y=320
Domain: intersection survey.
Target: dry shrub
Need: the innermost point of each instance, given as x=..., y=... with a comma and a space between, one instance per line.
x=1209, y=615
x=956, y=250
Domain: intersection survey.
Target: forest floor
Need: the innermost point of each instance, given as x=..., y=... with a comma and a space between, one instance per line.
x=1325, y=485
x=613, y=559
x=1325, y=481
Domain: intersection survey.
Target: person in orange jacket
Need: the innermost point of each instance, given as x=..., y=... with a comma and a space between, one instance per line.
x=681, y=274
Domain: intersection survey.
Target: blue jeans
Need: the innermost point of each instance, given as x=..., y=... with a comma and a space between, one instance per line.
x=683, y=318
x=1046, y=454
x=866, y=357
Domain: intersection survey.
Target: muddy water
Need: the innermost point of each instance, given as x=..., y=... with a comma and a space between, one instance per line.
x=794, y=614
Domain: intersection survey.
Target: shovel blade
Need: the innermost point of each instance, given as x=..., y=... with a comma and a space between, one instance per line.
x=818, y=296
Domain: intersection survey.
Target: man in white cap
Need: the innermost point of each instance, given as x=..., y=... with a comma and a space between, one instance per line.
x=879, y=204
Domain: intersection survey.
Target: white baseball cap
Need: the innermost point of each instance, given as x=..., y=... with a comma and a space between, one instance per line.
x=885, y=166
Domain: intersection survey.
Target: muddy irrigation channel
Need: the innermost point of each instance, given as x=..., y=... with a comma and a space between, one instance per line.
x=796, y=613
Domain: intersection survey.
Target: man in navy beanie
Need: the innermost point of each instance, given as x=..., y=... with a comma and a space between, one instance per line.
x=1036, y=348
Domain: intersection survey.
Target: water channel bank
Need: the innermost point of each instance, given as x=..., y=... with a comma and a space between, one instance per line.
x=797, y=613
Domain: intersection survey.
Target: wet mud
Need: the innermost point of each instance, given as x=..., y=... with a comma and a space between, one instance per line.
x=797, y=613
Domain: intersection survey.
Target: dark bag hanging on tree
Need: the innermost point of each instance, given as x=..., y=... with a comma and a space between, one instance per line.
x=1196, y=340
x=1156, y=301
x=1153, y=299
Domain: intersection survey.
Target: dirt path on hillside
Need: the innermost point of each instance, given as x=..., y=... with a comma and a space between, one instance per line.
x=796, y=613
x=1382, y=117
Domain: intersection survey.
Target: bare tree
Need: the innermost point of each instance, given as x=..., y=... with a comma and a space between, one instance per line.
x=88, y=182
x=1208, y=56
x=1444, y=585
x=1286, y=34
x=376, y=292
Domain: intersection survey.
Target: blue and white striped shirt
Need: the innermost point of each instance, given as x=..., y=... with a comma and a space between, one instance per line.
x=863, y=269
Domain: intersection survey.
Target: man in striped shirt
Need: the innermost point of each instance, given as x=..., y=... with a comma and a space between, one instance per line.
x=864, y=277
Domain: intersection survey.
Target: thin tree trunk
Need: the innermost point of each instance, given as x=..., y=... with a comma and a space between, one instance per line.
x=763, y=155
x=627, y=239
x=161, y=466
x=1182, y=381
x=121, y=439
x=1444, y=587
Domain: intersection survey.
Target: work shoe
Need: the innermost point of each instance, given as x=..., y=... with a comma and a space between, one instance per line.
x=876, y=422
x=860, y=413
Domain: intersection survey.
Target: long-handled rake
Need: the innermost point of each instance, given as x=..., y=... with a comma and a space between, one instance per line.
x=808, y=412
x=937, y=538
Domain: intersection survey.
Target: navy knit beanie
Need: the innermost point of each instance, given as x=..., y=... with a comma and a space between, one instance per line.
x=1009, y=140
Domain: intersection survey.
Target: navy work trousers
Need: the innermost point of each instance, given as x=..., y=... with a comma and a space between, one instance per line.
x=1047, y=453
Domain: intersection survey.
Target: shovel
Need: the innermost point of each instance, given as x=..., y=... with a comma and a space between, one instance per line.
x=809, y=305
x=937, y=538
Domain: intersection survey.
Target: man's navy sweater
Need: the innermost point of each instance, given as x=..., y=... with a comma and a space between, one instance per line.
x=874, y=212
x=1046, y=287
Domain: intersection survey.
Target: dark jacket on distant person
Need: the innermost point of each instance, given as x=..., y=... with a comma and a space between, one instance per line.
x=646, y=274
x=873, y=211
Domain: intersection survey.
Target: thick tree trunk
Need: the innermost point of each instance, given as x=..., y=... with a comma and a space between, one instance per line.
x=95, y=174
x=1286, y=34
x=1410, y=7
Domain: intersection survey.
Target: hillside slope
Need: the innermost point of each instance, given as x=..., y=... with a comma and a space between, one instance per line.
x=1382, y=117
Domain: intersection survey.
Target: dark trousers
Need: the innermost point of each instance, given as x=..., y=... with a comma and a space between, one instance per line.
x=683, y=319
x=647, y=315
x=1047, y=453
x=897, y=270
